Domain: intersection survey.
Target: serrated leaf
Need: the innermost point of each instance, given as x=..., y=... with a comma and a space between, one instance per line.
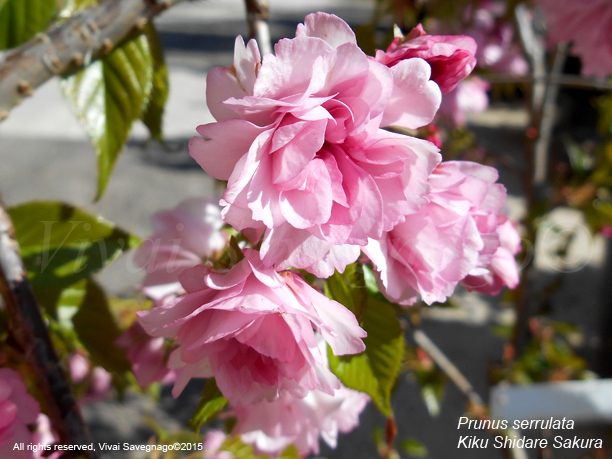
x=96, y=328
x=20, y=20
x=108, y=96
x=413, y=447
x=374, y=371
x=154, y=111
x=349, y=289
x=62, y=244
x=211, y=403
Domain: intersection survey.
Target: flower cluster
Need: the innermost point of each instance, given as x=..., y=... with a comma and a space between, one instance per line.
x=588, y=25
x=498, y=49
x=316, y=173
x=20, y=418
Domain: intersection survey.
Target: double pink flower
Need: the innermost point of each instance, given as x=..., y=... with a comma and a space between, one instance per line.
x=456, y=235
x=252, y=328
x=299, y=140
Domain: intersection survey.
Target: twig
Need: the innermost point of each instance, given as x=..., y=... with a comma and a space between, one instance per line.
x=547, y=121
x=257, y=17
x=570, y=81
x=70, y=45
x=449, y=369
x=458, y=379
x=27, y=327
x=533, y=46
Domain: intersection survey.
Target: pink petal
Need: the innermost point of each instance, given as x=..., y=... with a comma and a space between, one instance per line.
x=415, y=99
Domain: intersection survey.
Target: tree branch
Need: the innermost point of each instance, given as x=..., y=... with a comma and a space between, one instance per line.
x=459, y=380
x=257, y=17
x=71, y=45
x=569, y=81
x=449, y=369
x=28, y=328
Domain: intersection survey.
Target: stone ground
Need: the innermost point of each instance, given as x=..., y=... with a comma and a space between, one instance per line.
x=44, y=154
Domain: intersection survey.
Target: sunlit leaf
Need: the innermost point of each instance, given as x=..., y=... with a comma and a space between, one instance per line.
x=349, y=289
x=374, y=371
x=62, y=244
x=108, y=96
x=154, y=111
x=20, y=20
x=211, y=403
x=239, y=449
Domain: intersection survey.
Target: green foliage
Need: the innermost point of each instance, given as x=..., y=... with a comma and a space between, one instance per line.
x=241, y=450
x=349, y=289
x=20, y=20
x=154, y=111
x=211, y=403
x=62, y=244
x=96, y=328
x=548, y=356
x=413, y=448
x=108, y=96
x=374, y=371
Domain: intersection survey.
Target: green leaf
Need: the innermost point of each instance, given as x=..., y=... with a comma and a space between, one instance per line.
x=20, y=20
x=211, y=403
x=374, y=371
x=413, y=447
x=239, y=449
x=96, y=327
x=61, y=244
x=108, y=96
x=349, y=289
x=154, y=111
x=291, y=452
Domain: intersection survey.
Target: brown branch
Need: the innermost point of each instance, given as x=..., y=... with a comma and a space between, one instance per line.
x=569, y=81
x=27, y=327
x=71, y=45
x=257, y=17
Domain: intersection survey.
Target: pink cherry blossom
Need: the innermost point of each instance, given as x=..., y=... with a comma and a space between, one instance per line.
x=213, y=441
x=501, y=270
x=273, y=426
x=498, y=48
x=252, y=329
x=452, y=57
x=298, y=138
x=432, y=251
x=149, y=356
x=18, y=410
x=182, y=238
x=95, y=384
x=470, y=96
x=45, y=435
x=588, y=25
